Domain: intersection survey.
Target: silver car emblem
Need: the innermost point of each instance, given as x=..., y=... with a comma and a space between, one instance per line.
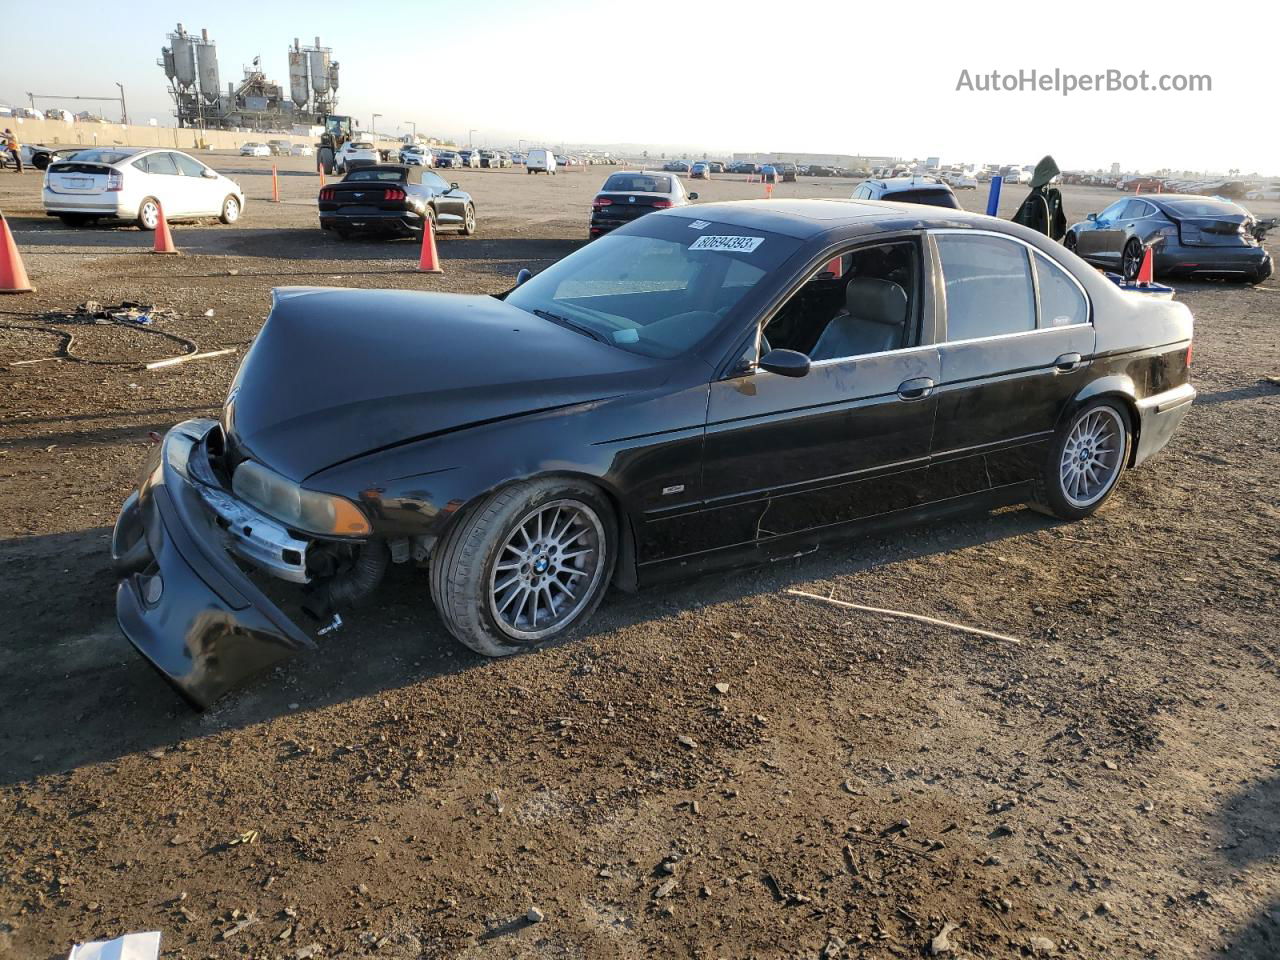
x=357, y=195
x=631, y=199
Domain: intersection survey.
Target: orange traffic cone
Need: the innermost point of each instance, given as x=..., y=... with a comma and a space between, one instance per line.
x=428, y=262
x=320, y=170
x=164, y=239
x=1147, y=272
x=275, y=185
x=13, y=275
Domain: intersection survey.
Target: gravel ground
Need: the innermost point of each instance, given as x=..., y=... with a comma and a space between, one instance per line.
x=720, y=769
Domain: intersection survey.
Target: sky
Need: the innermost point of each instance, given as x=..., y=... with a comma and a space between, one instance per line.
x=739, y=75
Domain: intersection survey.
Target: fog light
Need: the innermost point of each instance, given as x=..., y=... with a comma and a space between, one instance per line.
x=152, y=589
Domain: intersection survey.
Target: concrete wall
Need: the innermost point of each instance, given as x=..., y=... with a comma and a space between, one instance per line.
x=134, y=135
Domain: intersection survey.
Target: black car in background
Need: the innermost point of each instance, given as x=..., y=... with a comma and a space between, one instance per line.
x=786, y=171
x=394, y=198
x=706, y=387
x=627, y=195
x=1192, y=236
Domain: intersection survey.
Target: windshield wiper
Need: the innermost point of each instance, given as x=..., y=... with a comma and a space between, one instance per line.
x=581, y=328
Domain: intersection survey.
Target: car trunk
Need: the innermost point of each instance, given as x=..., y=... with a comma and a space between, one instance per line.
x=628, y=206
x=1224, y=230
x=350, y=197
x=79, y=178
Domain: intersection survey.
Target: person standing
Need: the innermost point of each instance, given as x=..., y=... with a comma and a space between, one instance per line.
x=15, y=148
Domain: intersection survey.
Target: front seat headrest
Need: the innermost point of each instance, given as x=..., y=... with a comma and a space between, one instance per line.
x=880, y=301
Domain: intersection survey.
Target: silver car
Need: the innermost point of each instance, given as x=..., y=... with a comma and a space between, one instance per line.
x=134, y=183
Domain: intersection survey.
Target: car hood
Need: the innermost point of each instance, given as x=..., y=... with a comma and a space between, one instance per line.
x=335, y=374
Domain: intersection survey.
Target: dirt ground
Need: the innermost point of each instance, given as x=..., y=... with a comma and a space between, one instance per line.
x=719, y=769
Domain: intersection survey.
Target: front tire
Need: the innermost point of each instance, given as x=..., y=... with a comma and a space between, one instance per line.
x=526, y=565
x=230, y=210
x=1085, y=461
x=469, y=221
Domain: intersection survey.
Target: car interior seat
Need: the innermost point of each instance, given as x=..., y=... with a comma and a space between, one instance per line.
x=874, y=319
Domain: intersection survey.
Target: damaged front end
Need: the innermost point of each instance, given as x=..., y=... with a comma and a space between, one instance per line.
x=183, y=599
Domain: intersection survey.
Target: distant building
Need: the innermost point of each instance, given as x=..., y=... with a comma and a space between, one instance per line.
x=847, y=160
x=1115, y=169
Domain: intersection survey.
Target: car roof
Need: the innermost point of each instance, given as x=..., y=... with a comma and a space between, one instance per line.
x=805, y=219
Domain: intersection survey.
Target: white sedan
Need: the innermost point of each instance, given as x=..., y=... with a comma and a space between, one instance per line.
x=301, y=150
x=134, y=183
x=1264, y=193
x=252, y=149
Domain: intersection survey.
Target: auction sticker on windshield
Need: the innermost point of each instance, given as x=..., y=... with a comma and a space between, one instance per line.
x=732, y=244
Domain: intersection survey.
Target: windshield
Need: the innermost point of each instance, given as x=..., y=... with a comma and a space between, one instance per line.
x=1197, y=208
x=638, y=183
x=657, y=288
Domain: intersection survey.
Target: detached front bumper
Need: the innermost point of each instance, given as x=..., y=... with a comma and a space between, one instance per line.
x=182, y=601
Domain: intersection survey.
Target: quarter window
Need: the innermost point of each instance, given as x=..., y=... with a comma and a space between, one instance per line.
x=988, y=284
x=1061, y=302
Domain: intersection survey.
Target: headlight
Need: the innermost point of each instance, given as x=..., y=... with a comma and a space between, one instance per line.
x=289, y=503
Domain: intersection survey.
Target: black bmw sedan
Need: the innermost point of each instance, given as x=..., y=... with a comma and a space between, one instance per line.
x=706, y=386
x=1192, y=236
x=395, y=199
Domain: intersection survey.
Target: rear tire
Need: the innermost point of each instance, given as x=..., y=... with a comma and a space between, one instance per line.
x=551, y=533
x=149, y=214
x=1131, y=259
x=1085, y=461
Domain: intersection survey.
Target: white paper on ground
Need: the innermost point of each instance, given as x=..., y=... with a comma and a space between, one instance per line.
x=132, y=946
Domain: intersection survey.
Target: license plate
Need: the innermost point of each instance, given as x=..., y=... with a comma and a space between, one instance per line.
x=81, y=183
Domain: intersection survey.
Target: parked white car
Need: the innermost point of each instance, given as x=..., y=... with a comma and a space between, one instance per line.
x=301, y=150
x=133, y=183
x=416, y=156
x=356, y=153
x=960, y=181
x=1264, y=193
x=252, y=149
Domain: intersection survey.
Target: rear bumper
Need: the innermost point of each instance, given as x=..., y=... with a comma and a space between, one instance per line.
x=1212, y=261
x=182, y=601
x=366, y=219
x=1159, y=416
x=102, y=205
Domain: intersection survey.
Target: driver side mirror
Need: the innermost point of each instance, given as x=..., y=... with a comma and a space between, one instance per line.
x=693, y=196
x=785, y=363
x=208, y=174
x=1092, y=216
x=524, y=274
x=454, y=185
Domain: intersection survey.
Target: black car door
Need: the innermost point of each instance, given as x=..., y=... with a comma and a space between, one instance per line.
x=1016, y=346
x=450, y=208
x=1101, y=241
x=848, y=440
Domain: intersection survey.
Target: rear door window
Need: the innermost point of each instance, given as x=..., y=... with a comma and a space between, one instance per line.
x=1062, y=303
x=988, y=286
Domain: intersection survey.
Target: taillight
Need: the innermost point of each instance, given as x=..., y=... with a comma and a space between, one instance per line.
x=393, y=193
x=327, y=193
x=599, y=202
x=115, y=181
x=661, y=204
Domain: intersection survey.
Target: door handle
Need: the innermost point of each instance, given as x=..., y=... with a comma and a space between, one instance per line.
x=916, y=389
x=1067, y=362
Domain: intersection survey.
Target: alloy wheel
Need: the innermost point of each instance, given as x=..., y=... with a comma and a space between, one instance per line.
x=150, y=215
x=547, y=569
x=1091, y=457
